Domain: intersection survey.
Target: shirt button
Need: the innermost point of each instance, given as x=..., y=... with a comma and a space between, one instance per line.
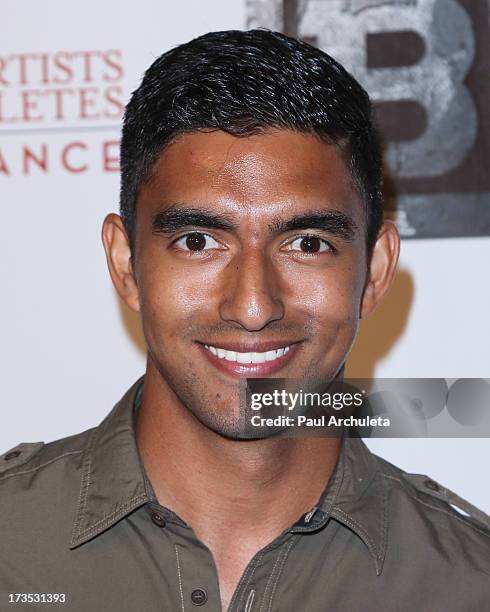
x=433, y=486
x=158, y=519
x=199, y=597
x=12, y=455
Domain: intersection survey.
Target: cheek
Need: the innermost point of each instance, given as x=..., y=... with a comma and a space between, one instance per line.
x=172, y=296
x=331, y=296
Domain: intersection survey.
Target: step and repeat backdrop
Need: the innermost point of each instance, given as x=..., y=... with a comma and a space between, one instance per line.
x=68, y=347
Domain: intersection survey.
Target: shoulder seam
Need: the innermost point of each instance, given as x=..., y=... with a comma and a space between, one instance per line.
x=38, y=467
x=454, y=516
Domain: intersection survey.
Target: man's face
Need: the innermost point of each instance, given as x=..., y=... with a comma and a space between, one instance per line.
x=250, y=261
x=248, y=250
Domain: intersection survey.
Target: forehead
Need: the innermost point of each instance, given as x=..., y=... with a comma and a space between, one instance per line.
x=253, y=175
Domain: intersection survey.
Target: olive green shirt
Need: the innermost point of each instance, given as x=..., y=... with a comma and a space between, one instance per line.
x=81, y=530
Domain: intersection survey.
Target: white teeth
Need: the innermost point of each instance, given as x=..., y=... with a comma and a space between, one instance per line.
x=247, y=357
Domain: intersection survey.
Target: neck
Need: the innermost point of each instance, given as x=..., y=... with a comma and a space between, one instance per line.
x=209, y=480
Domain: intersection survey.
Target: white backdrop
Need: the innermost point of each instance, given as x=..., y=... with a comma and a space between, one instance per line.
x=69, y=350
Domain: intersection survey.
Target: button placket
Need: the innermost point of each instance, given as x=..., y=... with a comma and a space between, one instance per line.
x=197, y=574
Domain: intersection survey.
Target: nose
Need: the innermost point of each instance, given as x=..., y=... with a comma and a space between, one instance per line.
x=251, y=293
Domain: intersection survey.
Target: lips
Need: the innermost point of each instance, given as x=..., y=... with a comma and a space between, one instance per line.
x=259, y=360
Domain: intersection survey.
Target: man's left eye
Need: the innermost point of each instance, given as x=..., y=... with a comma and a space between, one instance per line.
x=309, y=245
x=196, y=241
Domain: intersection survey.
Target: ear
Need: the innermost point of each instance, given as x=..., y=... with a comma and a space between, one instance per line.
x=382, y=267
x=118, y=254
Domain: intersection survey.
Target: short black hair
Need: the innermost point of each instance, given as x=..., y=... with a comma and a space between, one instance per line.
x=245, y=83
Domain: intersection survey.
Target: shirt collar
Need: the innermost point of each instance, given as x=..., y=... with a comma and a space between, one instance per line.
x=357, y=497
x=113, y=484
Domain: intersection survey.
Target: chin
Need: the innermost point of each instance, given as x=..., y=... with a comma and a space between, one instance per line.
x=232, y=427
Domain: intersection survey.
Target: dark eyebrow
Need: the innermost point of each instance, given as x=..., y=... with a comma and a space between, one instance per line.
x=176, y=218
x=334, y=222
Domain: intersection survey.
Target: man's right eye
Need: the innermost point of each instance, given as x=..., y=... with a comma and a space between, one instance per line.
x=196, y=241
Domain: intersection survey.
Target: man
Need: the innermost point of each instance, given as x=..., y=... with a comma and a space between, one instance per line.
x=251, y=242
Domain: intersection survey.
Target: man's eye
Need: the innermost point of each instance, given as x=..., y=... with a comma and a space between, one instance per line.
x=196, y=241
x=309, y=244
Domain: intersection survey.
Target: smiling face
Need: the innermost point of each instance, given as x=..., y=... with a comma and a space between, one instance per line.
x=250, y=261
